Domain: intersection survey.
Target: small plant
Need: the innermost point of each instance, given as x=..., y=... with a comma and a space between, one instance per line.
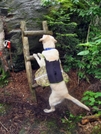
x=2, y=109
x=48, y=3
x=93, y=99
x=71, y=121
x=3, y=77
x=96, y=130
x=71, y=118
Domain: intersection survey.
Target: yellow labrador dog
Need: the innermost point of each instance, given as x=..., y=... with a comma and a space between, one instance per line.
x=57, y=85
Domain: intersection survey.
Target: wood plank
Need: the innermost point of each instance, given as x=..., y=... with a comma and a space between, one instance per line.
x=39, y=32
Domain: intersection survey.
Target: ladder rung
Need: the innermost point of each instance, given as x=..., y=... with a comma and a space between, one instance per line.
x=39, y=32
x=28, y=58
x=35, y=86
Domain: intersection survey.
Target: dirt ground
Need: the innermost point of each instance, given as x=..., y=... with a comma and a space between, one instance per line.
x=23, y=116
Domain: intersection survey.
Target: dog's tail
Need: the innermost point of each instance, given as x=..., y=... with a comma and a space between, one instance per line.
x=69, y=97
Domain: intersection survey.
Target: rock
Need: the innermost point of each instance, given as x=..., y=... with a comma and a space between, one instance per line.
x=13, y=12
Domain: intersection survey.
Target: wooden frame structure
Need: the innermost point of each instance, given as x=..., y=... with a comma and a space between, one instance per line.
x=26, y=52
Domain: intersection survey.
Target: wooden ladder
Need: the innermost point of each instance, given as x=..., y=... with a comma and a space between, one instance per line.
x=26, y=52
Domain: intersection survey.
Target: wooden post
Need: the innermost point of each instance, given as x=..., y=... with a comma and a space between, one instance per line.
x=45, y=27
x=1, y=35
x=27, y=62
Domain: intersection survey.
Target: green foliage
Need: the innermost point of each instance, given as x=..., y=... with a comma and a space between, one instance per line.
x=62, y=3
x=71, y=118
x=90, y=53
x=3, y=109
x=48, y=2
x=87, y=8
x=78, y=22
x=96, y=129
x=71, y=121
x=93, y=99
x=3, y=77
x=64, y=31
x=89, y=12
x=91, y=59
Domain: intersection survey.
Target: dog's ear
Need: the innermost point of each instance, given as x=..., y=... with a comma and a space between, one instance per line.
x=43, y=37
x=47, y=37
x=55, y=41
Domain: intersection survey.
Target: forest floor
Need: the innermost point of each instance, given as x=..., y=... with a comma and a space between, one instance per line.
x=23, y=116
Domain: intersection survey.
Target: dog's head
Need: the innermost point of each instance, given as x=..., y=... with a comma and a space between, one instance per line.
x=48, y=41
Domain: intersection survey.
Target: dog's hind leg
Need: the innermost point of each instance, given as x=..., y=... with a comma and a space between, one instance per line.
x=69, y=97
x=52, y=109
x=53, y=101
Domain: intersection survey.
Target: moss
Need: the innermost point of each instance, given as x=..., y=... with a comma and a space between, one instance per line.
x=97, y=129
x=3, y=109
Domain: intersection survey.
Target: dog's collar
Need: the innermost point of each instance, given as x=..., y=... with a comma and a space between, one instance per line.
x=48, y=49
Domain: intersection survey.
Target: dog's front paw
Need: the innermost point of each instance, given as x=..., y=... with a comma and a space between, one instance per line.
x=40, y=55
x=34, y=55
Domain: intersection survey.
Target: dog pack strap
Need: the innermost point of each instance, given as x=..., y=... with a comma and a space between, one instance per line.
x=54, y=71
